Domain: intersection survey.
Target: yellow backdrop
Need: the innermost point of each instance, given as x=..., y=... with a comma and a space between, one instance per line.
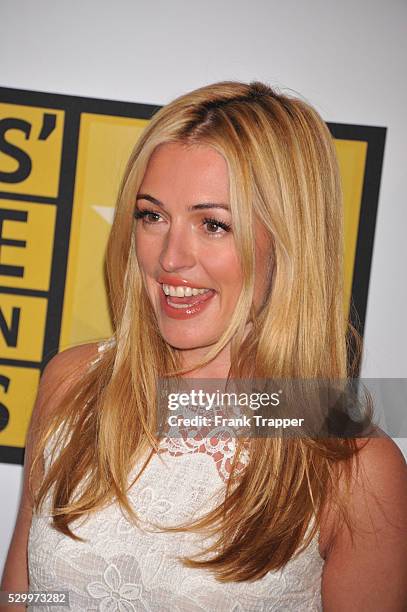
x=30, y=242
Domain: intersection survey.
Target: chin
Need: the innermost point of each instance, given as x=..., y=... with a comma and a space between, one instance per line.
x=184, y=342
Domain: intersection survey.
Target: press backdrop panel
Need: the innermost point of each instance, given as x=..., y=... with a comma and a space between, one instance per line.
x=61, y=161
x=105, y=145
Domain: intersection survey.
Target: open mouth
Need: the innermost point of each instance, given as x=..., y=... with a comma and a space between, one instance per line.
x=183, y=297
x=184, y=302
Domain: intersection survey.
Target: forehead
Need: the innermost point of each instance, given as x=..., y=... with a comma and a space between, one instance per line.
x=192, y=170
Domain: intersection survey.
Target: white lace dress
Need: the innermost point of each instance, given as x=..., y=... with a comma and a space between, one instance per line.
x=126, y=567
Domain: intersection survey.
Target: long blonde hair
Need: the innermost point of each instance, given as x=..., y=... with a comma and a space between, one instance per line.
x=283, y=171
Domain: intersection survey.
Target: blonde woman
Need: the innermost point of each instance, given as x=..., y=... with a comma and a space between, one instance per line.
x=224, y=260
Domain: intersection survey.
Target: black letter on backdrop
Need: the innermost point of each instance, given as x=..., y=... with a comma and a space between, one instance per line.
x=24, y=161
x=10, y=333
x=13, y=215
x=4, y=413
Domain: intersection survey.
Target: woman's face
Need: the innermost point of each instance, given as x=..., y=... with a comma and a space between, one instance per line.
x=185, y=245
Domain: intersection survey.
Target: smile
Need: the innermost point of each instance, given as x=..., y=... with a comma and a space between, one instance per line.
x=184, y=302
x=181, y=292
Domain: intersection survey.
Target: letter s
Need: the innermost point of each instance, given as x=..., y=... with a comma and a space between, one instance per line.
x=4, y=413
x=24, y=161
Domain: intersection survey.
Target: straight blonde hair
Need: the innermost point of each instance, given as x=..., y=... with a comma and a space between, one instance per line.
x=283, y=172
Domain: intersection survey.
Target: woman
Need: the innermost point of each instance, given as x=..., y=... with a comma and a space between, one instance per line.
x=224, y=261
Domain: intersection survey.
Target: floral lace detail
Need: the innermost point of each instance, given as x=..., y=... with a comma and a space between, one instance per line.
x=147, y=501
x=120, y=565
x=113, y=593
x=123, y=565
x=220, y=444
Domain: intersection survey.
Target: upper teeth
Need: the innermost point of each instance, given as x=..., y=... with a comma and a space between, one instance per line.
x=182, y=291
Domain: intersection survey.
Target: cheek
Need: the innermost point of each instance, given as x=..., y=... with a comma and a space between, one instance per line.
x=226, y=272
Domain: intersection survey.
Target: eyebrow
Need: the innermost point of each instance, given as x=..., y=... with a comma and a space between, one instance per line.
x=200, y=206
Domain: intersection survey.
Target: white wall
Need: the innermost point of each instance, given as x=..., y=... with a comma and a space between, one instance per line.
x=347, y=58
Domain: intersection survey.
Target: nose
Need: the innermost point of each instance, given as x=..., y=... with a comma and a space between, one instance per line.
x=177, y=251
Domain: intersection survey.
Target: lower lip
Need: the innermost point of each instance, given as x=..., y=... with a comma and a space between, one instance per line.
x=185, y=313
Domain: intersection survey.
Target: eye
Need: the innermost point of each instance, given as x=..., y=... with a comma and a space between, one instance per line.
x=215, y=227
x=215, y=224
x=148, y=216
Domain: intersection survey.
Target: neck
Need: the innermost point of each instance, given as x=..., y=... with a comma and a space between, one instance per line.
x=217, y=368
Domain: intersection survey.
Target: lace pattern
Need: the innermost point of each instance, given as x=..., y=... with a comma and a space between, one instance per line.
x=127, y=566
x=220, y=446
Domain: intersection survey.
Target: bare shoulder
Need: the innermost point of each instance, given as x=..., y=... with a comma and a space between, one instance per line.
x=379, y=483
x=64, y=370
x=366, y=562
x=61, y=372
x=378, y=498
x=380, y=466
x=71, y=357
